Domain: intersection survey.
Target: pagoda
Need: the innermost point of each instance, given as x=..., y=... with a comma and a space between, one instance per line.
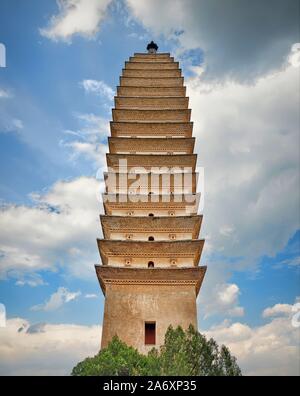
x=150, y=251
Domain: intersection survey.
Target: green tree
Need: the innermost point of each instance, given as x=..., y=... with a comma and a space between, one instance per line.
x=118, y=359
x=186, y=353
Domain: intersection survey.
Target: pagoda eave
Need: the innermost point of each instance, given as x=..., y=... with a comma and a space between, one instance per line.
x=161, y=65
x=153, y=277
x=151, y=115
x=148, y=102
x=189, y=203
x=140, y=145
x=151, y=129
x=151, y=249
x=148, y=161
x=142, y=224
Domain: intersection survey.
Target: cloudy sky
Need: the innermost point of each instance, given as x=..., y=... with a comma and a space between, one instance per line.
x=63, y=60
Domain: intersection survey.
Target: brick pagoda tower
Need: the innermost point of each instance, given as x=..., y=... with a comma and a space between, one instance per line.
x=150, y=252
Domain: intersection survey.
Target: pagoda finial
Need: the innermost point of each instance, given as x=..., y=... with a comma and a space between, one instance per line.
x=152, y=48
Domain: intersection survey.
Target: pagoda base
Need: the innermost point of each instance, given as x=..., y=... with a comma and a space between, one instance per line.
x=135, y=297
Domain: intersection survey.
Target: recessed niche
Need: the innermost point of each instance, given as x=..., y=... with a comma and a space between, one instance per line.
x=150, y=264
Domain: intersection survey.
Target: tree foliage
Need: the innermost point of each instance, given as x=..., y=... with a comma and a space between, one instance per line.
x=187, y=353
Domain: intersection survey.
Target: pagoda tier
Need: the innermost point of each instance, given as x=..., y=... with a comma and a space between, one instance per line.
x=153, y=183
x=153, y=277
x=150, y=253
x=151, y=102
x=151, y=91
x=140, y=57
x=151, y=129
x=171, y=73
x=159, y=65
x=154, y=145
x=148, y=161
x=162, y=115
x=154, y=204
x=151, y=82
x=139, y=253
x=141, y=228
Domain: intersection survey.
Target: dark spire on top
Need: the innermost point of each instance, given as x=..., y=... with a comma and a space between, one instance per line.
x=152, y=47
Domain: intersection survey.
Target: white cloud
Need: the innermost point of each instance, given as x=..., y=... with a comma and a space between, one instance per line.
x=89, y=139
x=294, y=57
x=57, y=300
x=98, y=87
x=92, y=151
x=236, y=311
x=2, y=315
x=228, y=294
x=218, y=298
x=240, y=39
x=76, y=17
x=91, y=295
x=32, y=280
x=279, y=310
x=45, y=349
x=270, y=349
x=247, y=137
x=17, y=124
x=61, y=219
x=292, y=262
x=4, y=93
x=10, y=124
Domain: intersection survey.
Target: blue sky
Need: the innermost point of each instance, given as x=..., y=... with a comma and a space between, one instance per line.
x=56, y=91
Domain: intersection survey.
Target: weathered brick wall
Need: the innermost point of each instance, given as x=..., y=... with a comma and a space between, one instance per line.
x=127, y=307
x=147, y=161
x=151, y=73
x=151, y=82
x=151, y=103
x=151, y=91
x=132, y=115
x=151, y=129
x=166, y=65
x=165, y=145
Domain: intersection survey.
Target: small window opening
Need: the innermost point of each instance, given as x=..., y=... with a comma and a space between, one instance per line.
x=151, y=238
x=151, y=214
x=150, y=333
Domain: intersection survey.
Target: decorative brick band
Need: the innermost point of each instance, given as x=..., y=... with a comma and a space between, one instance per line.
x=148, y=102
x=151, y=91
x=150, y=115
x=151, y=82
x=151, y=73
x=151, y=65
